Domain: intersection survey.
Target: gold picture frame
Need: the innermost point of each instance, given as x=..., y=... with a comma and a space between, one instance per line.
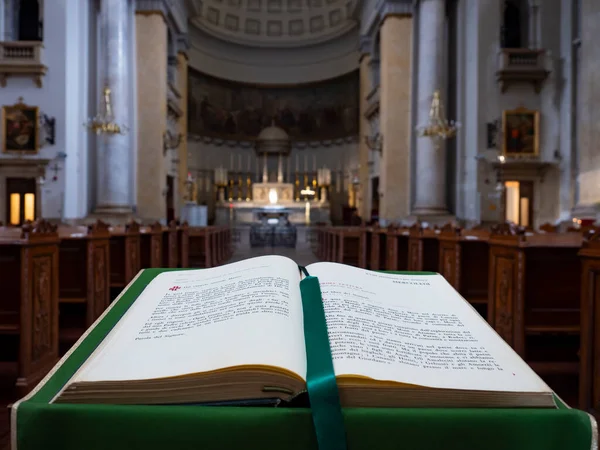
x=520, y=133
x=20, y=128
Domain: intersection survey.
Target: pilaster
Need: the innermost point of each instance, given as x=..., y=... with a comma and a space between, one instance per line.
x=395, y=115
x=182, y=76
x=363, y=148
x=151, y=57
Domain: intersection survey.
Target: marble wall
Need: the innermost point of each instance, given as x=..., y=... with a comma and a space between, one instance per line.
x=65, y=95
x=480, y=101
x=589, y=114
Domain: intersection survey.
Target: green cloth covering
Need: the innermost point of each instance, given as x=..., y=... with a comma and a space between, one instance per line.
x=40, y=425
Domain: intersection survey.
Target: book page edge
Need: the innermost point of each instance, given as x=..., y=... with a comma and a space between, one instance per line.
x=15, y=406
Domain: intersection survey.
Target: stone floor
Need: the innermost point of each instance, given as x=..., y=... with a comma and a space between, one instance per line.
x=302, y=254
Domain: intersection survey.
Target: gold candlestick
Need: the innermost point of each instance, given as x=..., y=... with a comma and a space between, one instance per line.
x=230, y=190
x=297, y=177
x=240, y=184
x=248, y=188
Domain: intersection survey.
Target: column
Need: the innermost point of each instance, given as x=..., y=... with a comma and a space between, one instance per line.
x=364, y=131
x=182, y=84
x=151, y=60
x=431, y=160
x=114, y=153
x=395, y=114
x=588, y=115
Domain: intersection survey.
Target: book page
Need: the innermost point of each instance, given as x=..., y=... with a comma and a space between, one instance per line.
x=414, y=329
x=245, y=313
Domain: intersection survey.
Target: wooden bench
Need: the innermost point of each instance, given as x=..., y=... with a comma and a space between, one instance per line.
x=151, y=246
x=29, y=265
x=84, y=291
x=378, y=256
x=170, y=250
x=396, y=244
x=124, y=254
x=183, y=245
x=464, y=262
x=534, y=296
x=350, y=246
x=423, y=249
x=200, y=247
x=589, y=368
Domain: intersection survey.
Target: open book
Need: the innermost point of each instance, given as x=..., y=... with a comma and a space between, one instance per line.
x=235, y=333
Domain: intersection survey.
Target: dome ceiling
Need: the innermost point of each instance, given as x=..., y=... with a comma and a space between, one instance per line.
x=275, y=23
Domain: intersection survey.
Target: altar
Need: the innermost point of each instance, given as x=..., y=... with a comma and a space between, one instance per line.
x=298, y=199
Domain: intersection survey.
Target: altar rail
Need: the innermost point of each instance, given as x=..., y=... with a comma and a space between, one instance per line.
x=527, y=285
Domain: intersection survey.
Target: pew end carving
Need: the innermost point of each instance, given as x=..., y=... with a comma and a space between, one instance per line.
x=29, y=307
x=526, y=309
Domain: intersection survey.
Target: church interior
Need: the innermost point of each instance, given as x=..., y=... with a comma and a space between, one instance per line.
x=397, y=135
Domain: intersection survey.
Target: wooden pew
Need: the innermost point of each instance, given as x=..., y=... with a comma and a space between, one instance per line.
x=29, y=308
x=589, y=368
x=396, y=244
x=378, y=255
x=423, y=249
x=170, y=253
x=350, y=246
x=183, y=245
x=124, y=254
x=84, y=292
x=534, y=292
x=464, y=262
x=200, y=247
x=151, y=246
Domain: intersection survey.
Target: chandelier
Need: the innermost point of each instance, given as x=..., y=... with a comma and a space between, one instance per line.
x=438, y=127
x=104, y=121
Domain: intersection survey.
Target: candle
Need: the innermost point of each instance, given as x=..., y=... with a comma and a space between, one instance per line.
x=240, y=162
x=314, y=163
x=231, y=161
x=305, y=162
x=249, y=169
x=297, y=163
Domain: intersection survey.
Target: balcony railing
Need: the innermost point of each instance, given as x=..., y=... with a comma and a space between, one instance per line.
x=521, y=65
x=21, y=58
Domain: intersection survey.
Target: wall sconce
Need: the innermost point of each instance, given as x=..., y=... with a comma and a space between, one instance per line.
x=171, y=142
x=48, y=127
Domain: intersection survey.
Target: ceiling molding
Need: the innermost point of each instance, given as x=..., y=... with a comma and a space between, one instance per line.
x=276, y=23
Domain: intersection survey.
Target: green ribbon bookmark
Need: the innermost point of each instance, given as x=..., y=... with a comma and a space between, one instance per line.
x=320, y=377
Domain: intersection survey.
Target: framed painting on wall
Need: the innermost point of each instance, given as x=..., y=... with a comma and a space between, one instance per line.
x=20, y=128
x=520, y=133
